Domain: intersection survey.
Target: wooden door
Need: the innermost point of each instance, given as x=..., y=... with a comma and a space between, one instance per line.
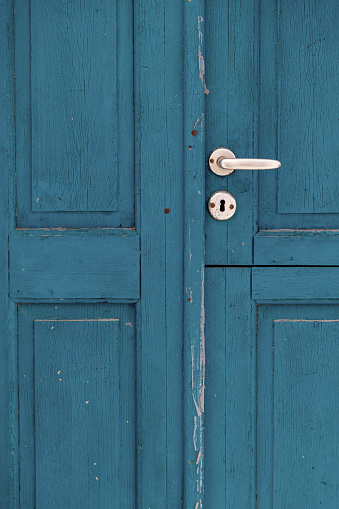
x=95, y=278
x=109, y=111
x=272, y=282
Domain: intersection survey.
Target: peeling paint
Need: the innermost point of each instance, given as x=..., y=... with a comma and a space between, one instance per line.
x=195, y=433
x=201, y=59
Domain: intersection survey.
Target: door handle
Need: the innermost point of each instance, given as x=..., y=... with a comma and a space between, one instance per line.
x=223, y=162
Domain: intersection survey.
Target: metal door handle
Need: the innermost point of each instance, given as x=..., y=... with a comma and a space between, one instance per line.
x=223, y=162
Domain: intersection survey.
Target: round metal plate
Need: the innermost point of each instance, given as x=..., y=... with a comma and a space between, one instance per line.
x=222, y=205
x=213, y=161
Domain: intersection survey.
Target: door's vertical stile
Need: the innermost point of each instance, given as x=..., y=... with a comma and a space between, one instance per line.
x=194, y=250
x=174, y=205
x=8, y=387
x=159, y=209
x=230, y=416
x=232, y=50
x=268, y=106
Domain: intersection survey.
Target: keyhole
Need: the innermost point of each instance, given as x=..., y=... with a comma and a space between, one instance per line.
x=222, y=205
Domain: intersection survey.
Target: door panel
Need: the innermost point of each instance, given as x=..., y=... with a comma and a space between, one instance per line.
x=271, y=416
x=76, y=368
x=299, y=100
x=81, y=265
x=74, y=106
x=74, y=114
x=272, y=76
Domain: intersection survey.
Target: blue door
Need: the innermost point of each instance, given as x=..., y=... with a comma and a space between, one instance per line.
x=271, y=399
x=153, y=356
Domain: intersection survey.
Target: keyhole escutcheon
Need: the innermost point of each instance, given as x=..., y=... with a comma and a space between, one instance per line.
x=222, y=205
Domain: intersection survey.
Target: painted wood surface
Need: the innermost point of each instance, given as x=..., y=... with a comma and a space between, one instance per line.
x=298, y=101
x=308, y=99
x=272, y=94
x=74, y=264
x=76, y=72
x=8, y=335
x=271, y=398
x=285, y=384
x=84, y=452
x=77, y=421
x=306, y=424
x=232, y=75
x=230, y=423
x=296, y=247
x=295, y=283
x=159, y=221
x=195, y=90
x=74, y=106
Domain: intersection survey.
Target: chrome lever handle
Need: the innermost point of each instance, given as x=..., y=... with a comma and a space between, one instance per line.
x=223, y=162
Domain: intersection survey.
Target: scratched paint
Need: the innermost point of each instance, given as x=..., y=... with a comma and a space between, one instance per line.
x=201, y=58
x=194, y=213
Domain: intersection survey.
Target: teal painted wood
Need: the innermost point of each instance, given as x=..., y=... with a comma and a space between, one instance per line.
x=306, y=425
x=305, y=345
x=89, y=342
x=307, y=93
x=296, y=247
x=291, y=386
x=74, y=264
x=105, y=177
x=230, y=420
x=194, y=252
x=8, y=379
x=297, y=114
x=159, y=156
x=295, y=283
x=77, y=421
x=74, y=106
x=232, y=70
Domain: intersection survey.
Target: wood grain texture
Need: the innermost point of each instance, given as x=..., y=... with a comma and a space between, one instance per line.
x=8, y=317
x=300, y=353
x=101, y=134
x=306, y=424
x=308, y=99
x=74, y=106
x=295, y=283
x=230, y=421
x=72, y=442
x=232, y=74
x=194, y=252
x=159, y=185
x=296, y=247
x=74, y=264
x=298, y=101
